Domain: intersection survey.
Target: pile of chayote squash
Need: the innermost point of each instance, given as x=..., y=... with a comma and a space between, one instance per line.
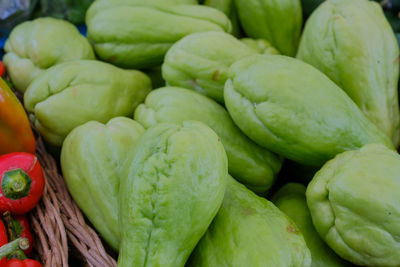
x=220, y=94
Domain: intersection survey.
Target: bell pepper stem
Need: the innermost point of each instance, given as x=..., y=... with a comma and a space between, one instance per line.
x=15, y=184
x=9, y=225
x=18, y=253
x=12, y=247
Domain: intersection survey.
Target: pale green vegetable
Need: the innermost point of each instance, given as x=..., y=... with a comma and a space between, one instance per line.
x=278, y=21
x=172, y=187
x=34, y=46
x=292, y=109
x=354, y=45
x=250, y=231
x=250, y=164
x=201, y=61
x=92, y=158
x=185, y=2
x=261, y=45
x=291, y=199
x=355, y=205
x=137, y=33
x=229, y=9
x=72, y=93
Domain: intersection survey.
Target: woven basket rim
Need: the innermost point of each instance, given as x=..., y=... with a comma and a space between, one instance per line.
x=57, y=222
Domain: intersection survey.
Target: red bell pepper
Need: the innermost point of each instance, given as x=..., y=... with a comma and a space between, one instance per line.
x=3, y=240
x=22, y=182
x=14, y=246
x=22, y=263
x=2, y=69
x=22, y=229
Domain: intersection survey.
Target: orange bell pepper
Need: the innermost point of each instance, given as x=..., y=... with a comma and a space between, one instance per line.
x=15, y=131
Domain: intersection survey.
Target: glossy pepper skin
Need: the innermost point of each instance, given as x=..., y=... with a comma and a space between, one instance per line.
x=2, y=69
x=23, y=229
x=22, y=182
x=3, y=240
x=22, y=263
x=15, y=132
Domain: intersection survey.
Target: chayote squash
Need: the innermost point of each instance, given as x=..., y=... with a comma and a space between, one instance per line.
x=229, y=9
x=137, y=33
x=34, y=46
x=72, y=93
x=171, y=189
x=292, y=109
x=250, y=231
x=250, y=164
x=291, y=200
x=92, y=158
x=278, y=21
x=354, y=45
x=185, y=2
x=354, y=202
x=261, y=45
x=200, y=62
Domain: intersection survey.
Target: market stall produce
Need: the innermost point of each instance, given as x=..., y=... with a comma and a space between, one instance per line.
x=358, y=52
x=37, y=45
x=249, y=163
x=137, y=34
x=84, y=88
x=96, y=189
x=227, y=133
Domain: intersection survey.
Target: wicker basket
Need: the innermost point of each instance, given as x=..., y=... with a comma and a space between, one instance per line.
x=59, y=226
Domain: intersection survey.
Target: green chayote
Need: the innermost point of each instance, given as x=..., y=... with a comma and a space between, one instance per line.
x=354, y=202
x=250, y=231
x=92, y=159
x=200, y=61
x=261, y=45
x=229, y=9
x=172, y=187
x=277, y=21
x=292, y=109
x=291, y=199
x=250, y=164
x=354, y=45
x=137, y=33
x=72, y=93
x=185, y=2
x=34, y=46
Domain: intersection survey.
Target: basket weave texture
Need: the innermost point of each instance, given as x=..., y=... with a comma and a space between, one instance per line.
x=58, y=223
